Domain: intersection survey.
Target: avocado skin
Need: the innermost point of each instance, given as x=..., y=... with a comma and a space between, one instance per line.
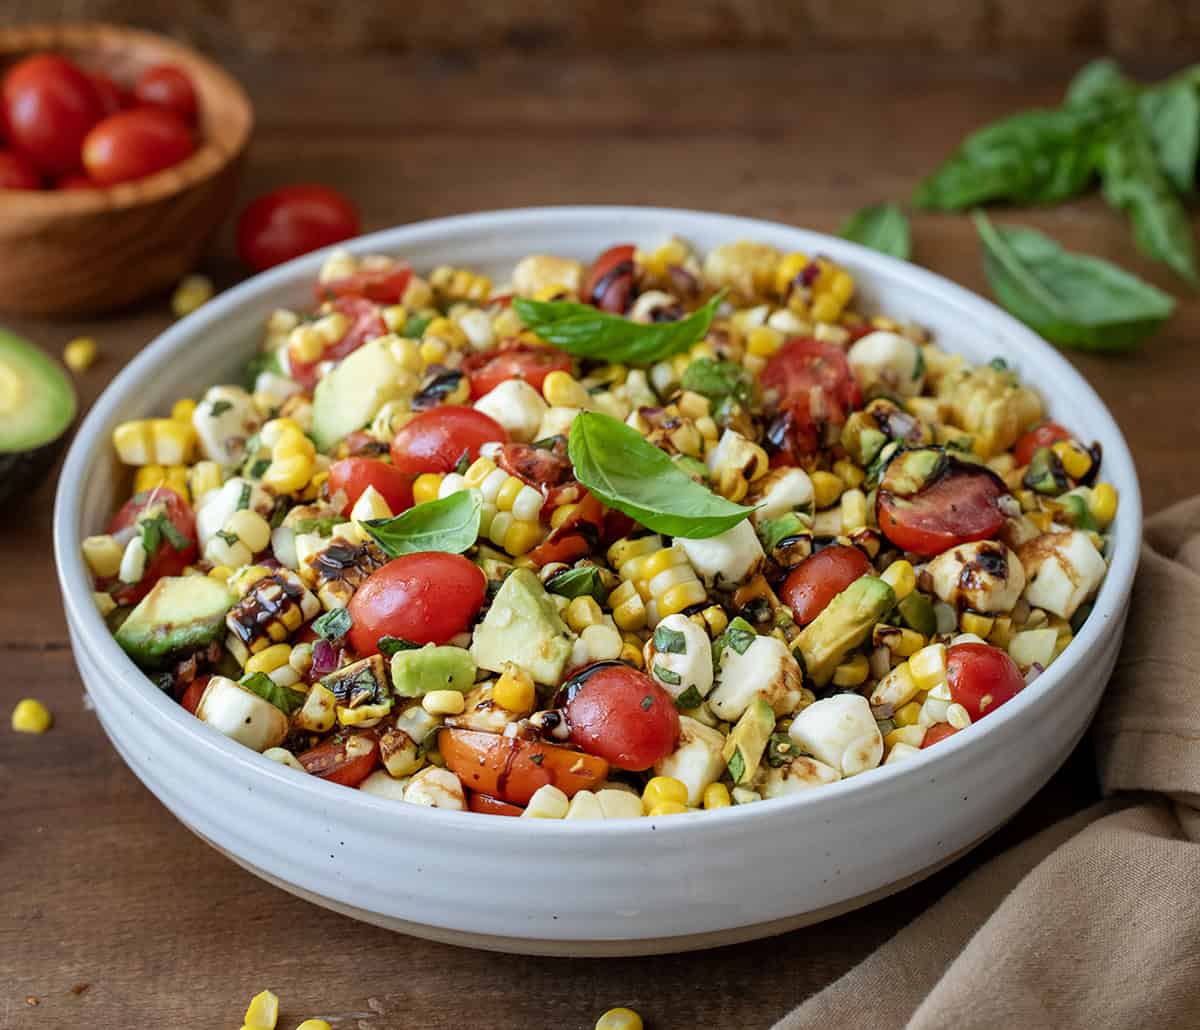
x=842, y=626
x=22, y=472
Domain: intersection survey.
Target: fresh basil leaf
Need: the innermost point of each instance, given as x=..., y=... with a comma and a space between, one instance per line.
x=882, y=227
x=464, y=462
x=219, y=408
x=771, y=531
x=1098, y=80
x=244, y=497
x=1071, y=299
x=389, y=646
x=689, y=699
x=626, y=472
x=415, y=326
x=739, y=635
x=333, y=625
x=737, y=765
x=1171, y=115
x=230, y=538
x=450, y=524
x=665, y=675
x=670, y=641
x=581, y=581
x=588, y=332
x=718, y=381
x=287, y=701
x=259, y=468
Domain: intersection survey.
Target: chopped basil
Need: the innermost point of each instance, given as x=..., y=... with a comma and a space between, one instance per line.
x=537, y=759
x=581, y=581
x=739, y=635
x=219, y=408
x=737, y=765
x=548, y=443
x=664, y=675
x=230, y=538
x=389, y=646
x=415, y=326
x=324, y=526
x=781, y=749
x=450, y=524
x=244, y=497
x=464, y=462
x=259, y=468
x=672, y=641
x=647, y=702
x=689, y=699
x=334, y=624
x=719, y=381
x=287, y=701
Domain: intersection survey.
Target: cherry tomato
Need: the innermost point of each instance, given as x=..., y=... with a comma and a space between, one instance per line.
x=291, y=221
x=366, y=323
x=512, y=769
x=485, y=804
x=537, y=466
x=622, y=715
x=427, y=597
x=75, y=181
x=133, y=144
x=435, y=440
x=166, y=560
x=354, y=475
x=527, y=361
x=191, y=697
x=49, y=107
x=579, y=535
x=382, y=285
x=609, y=283
x=1044, y=435
x=815, y=388
x=981, y=678
x=939, y=731
x=812, y=584
x=16, y=173
x=960, y=506
x=168, y=87
x=347, y=762
x=112, y=97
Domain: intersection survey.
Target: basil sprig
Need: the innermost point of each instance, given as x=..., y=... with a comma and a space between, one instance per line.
x=626, y=472
x=580, y=581
x=1071, y=299
x=882, y=227
x=450, y=524
x=283, y=698
x=588, y=332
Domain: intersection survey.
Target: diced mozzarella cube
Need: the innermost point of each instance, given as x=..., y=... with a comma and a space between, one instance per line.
x=517, y=406
x=436, y=788
x=218, y=505
x=241, y=715
x=275, y=386
x=889, y=360
x=1064, y=570
x=687, y=661
x=584, y=805
x=556, y=422
x=477, y=327
x=619, y=804
x=370, y=505
x=782, y=491
x=984, y=576
x=384, y=785
x=841, y=732
x=901, y=751
x=726, y=559
x=548, y=802
x=224, y=420
x=539, y=272
x=766, y=669
x=696, y=761
x=800, y=774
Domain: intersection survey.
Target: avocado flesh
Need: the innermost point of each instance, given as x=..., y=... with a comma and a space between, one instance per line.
x=910, y=471
x=432, y=667
x=352, y=393
x=523, y=627
x=748, y=738
x=842, y=626
x=181, y=614
x=37, y=407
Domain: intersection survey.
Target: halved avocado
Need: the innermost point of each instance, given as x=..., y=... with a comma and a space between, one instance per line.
x=37, y=407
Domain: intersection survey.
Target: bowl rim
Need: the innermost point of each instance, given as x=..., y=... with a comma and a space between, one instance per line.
x=206, y=162
x=311, y=793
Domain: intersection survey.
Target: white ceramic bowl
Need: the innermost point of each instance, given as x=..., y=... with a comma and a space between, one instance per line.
x=644, y=886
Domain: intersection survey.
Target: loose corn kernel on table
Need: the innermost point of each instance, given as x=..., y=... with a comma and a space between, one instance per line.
x=115, y=915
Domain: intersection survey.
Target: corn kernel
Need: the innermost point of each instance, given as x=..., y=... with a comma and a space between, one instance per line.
x=911, y=735
x=221, y=573
x=1103, y=505
x=314, y=1024
x=928, y=666
x=274, y=657
x=907, y=715
x=972, y=622
x=1075, y=460
x=716, y=795
x=854, y=511
x=901, y=577
x=849, y=473
x=562, y=390
x=632, y=654
x=31, y=716
x=827, y=488
x=668, y=808
x=426, y=486
x=154, y=441
x=619, y=1019
x=102, y=554
x=583, y=612
x=514, y=690
x=852, y=673
x=192, y=292
x=443, y=702
x=664, y=790
x=80, y=354
x=262, y=1012
x=251, y=528
x=433, y=352
x=763, y=341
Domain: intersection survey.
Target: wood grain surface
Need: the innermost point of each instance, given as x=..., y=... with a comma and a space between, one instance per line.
x=112, y=914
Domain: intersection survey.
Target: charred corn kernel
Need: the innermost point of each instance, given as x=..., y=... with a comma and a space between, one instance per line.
x=174, y=477
x=192, y=292
x=104, y=603
x=628, y=608
x=407, y=353
x=854, y=510
x=972, y=622
x=453, y=284
x=443, y=702
x=763, y=341
x=80, y=354
x=447, y=332
x=203, y=477
x=314, y=1024
x=716, y=795
x=433, y=352
x=514, y=690
x=827, y=488
x=263, y=1011
x=102, y=554
x=274, y=657
x=154, y=441
x=221, y=573
x=1103, y=506
x=907, y=715
x=894, y=690
x=619, y=1019
x=251, y=528
x=583, y=612
x=395, y=317
x=293, y=456
x=910, y=735
x=957, y=716
x=426, y=486
x=563, y=390
x=1076, y=461
x=31, y=716
x=715, y=620
x=786, y=272
x=849, y=473
x=305, y=344
x=928, y=666
x=658, y=262
x=561, y=514
x=632, y=654
x=668, y=808
x=988, y=403
x=664, y=790
x=852, y=673
x=901, y=641
x=901, y=577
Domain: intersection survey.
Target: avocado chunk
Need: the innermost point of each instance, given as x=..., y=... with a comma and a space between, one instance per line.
x=916, y=612
x=180, y=614
x=843, y=625
x=432, y=667
x=37, y=407
x=747, y=740
x=523, y=626
x=352, y=393
x=910, y=471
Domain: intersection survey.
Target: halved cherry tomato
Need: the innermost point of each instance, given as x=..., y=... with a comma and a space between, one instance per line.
x=16, y=173
x=382, y=285
x=579, y=535
x=133, y=144
x=622, y=715
x=166, y=561
x=112, y=96
x=167, y=86
x=537, y=466
x=427, y=597
x=812, y=584
x=191, y=697
x=939, y=731
x=485, y=804
x=50, y=105
x=512, y=769
x=609, y=283
x=435, y=440
x=354, y=475
x=961, y=505
x=1044, y=435
x=531, y=362
x=75, y=181
x=366, y=323
x=815, y=387
x=347, y=762
x=291, y=221
x=981, y=678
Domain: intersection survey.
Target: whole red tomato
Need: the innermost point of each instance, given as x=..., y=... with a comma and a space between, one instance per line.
x=16, y=173
x=50, y=105
x=981, y=678
x=133, y=144
x=622, y=715
x=167, y=86
x=814, y=388
x=291, y=221
x=435, y=440
x=173, y=553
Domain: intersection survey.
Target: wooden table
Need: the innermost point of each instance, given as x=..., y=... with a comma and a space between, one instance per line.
x=113, y=915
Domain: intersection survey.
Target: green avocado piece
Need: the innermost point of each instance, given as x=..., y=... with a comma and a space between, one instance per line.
x=916, y=612
x=523, y=626
x=747, y=740
x=352, y=393
x=842, y=626
x=909, y=471
x=180, y=614
x=432, y=667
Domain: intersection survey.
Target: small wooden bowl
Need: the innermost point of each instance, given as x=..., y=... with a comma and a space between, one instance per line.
x=81, y=252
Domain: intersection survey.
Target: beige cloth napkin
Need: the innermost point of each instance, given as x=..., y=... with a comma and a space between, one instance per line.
x=1095, y=922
